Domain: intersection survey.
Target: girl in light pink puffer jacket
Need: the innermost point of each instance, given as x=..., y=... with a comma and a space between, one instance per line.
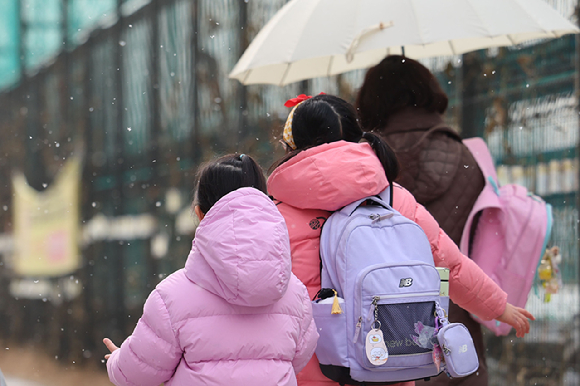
x=235, y=315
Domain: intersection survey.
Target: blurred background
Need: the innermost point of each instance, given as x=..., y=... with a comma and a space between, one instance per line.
x=107, y=107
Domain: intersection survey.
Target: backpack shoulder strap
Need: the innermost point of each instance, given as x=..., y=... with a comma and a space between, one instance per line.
x=350, y=208
x=480, y=152
x=441, y=127
x=489, y=196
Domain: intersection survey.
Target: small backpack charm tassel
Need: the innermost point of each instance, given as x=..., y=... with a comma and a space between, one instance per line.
x=335, y=306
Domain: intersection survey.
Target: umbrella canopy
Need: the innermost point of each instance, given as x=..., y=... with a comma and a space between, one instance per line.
x=312, y=38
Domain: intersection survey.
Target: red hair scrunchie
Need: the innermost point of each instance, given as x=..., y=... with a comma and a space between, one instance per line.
x=299, y=99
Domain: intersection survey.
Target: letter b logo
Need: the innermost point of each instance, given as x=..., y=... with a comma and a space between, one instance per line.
x=406, y=282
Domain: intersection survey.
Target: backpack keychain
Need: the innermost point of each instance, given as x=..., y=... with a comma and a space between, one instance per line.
x=440, y=320
x=326, y=293
x=335, y=304
x=549, y=272
x=375, y=347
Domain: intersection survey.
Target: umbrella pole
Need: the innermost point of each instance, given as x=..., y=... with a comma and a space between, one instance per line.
x=403, y=50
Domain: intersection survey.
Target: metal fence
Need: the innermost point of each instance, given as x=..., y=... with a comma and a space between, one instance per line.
x=147, y=99
x=523, y=101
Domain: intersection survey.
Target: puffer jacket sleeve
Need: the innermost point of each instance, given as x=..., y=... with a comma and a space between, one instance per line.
x=308, y=335
x=469, y=286
x=150, y=355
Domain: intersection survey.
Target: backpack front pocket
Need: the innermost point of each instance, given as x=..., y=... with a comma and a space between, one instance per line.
x=408, y=328
x=404, y=311
x=332, y=345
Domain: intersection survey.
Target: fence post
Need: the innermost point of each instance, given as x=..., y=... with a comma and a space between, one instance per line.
x=154, y=152
x=575, y=340
x=117, y=169
x=87, y=211
x=192, y=146
x=64, y=344
x=242, y=89
x=21, y=49
x=471, y=67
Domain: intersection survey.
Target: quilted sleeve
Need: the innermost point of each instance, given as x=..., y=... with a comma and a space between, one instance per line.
x=151, y=354
x=308, y=336
x=469, y=286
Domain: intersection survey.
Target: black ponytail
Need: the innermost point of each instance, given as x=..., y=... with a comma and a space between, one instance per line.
x=252, y=174
x=385, y=154
x=217, y=178
x=327, y=118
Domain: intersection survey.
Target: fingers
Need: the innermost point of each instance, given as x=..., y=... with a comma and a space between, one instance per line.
x=521, y=323
x=518, y=318
x=524, y=325
x=525, y=318
x=527, y=323
x=518, y=325
x=526, y=313
x=525, y=328
x=110, y=345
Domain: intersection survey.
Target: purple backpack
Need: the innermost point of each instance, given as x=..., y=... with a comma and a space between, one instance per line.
x=382, y=325
x=510, y=236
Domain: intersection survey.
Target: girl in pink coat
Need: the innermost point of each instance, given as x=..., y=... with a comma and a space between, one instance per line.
x=322, y=173
x=235, y=315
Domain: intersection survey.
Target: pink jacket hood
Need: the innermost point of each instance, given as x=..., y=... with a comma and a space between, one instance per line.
x=226, y=258
x=341, y=173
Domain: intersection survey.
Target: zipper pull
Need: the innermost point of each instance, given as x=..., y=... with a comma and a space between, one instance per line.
x=357, y=329
x=373, y=307
x=377, y=217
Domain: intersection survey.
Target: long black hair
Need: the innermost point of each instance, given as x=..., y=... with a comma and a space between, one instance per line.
x=327, y=118
x=217, y=178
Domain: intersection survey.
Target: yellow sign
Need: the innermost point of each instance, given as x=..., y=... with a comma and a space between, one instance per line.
x=46, y=225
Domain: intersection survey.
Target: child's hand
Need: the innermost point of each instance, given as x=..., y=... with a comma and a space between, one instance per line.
x=517, y=318
x=110, y=345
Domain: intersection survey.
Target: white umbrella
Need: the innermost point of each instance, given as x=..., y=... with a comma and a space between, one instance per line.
x=312, y=38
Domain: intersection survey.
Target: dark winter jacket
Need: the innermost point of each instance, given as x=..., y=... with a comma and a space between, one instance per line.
x=439, y=170
x=444, y=177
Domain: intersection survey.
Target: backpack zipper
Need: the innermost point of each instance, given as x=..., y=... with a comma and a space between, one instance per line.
x=376, y=299
x=416, y=294
x=378, y=217
x=357, y=330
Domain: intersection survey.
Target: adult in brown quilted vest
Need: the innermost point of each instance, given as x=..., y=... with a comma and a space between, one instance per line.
x=402, y=101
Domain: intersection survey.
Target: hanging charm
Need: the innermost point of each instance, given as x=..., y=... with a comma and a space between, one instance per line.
x=438, y=356
x=549, y=272
x=375, y=347
x=335, y=305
